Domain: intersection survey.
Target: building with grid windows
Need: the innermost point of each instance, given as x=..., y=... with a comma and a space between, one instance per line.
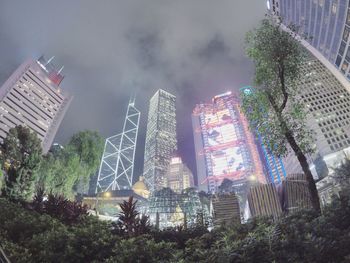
x=161, y=140
x=325, y=24
x=327, y=102
x=168, y=209
x=225, y=148
x=178, y=176
x=32, y=97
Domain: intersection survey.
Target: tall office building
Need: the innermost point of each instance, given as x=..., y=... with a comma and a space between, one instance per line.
x=273, y=165
x=32, y=97
x=161, y=140
x=324, y=23
x=178, y=176
x=327, y=102
x=225, y=148
x=117, y=164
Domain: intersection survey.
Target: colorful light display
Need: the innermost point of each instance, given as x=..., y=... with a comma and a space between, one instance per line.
x=225, y=147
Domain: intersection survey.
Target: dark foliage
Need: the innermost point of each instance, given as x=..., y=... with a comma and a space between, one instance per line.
x=130, y=222
x=57, y=206
x=305, y=236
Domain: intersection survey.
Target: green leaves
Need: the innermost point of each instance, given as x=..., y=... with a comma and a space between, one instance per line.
x=67, y=170
x=20, y=156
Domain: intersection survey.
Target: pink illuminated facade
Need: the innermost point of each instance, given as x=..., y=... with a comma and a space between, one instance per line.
x=225, y=148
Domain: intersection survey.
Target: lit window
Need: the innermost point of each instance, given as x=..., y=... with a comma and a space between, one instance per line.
x=334, y=8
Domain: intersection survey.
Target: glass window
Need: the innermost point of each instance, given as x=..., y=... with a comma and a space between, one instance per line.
x=344, y=67
x=346, y=34
x=334, y=8
x=348, y=17
x=342, y=48
x=337, y=62
x=348, y=55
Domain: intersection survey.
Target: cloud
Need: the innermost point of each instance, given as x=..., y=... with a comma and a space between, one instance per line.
x=111, y=49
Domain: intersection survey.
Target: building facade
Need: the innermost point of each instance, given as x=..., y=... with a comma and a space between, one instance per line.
x=294, y=193
x=264, y=201
x=161, y=142
x=325, y=24
x=117, y=163
x=225, y=148
x=226, y=209
x=327, y=103
x=32, y=97
x=273, y=165
x=169, y=209
x=178, y=176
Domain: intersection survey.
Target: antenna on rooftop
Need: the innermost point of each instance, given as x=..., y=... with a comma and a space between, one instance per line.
x=50, y=60
x=59, y=72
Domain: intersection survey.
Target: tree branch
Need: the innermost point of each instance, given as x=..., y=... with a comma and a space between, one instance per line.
x=283, y=87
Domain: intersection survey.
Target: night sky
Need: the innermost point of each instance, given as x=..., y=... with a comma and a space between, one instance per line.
x=112, y=48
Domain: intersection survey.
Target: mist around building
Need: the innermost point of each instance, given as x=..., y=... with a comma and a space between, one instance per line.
x=249, y=198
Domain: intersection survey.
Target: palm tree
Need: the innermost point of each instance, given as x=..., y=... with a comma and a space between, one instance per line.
x=128, y=216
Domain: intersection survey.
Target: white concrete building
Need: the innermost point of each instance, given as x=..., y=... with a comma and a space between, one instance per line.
x=32, y=97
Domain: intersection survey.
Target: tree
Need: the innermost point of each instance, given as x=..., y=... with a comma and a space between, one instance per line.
x=1, y=179
x=341, y=175
x=67, y=170
x=88, y=146
x=273, y=109
x=59, y=172
x=128, y=216
x=20, y=156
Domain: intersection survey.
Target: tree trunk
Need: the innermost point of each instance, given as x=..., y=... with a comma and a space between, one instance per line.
x=305, y=166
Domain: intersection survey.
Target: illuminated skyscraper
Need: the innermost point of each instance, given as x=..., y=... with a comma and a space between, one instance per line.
x=32, y=97
x=161, y=140
x=225, y=147
x=117, y=164
x=325, y=25
x=178, y=176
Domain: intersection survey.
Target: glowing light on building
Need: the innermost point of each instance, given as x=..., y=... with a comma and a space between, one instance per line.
x=225, y=148
x=117, y=164
x=161, y=140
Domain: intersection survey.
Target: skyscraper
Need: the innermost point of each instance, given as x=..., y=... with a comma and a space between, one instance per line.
x=327, y=102
x=273, y=165
x=117, y=164
x=161, y=140
x=225, y=148
x=32, y=97
x=325, y=24
x=178, y=176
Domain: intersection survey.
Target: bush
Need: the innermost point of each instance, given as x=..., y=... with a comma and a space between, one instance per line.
x=29, y=236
